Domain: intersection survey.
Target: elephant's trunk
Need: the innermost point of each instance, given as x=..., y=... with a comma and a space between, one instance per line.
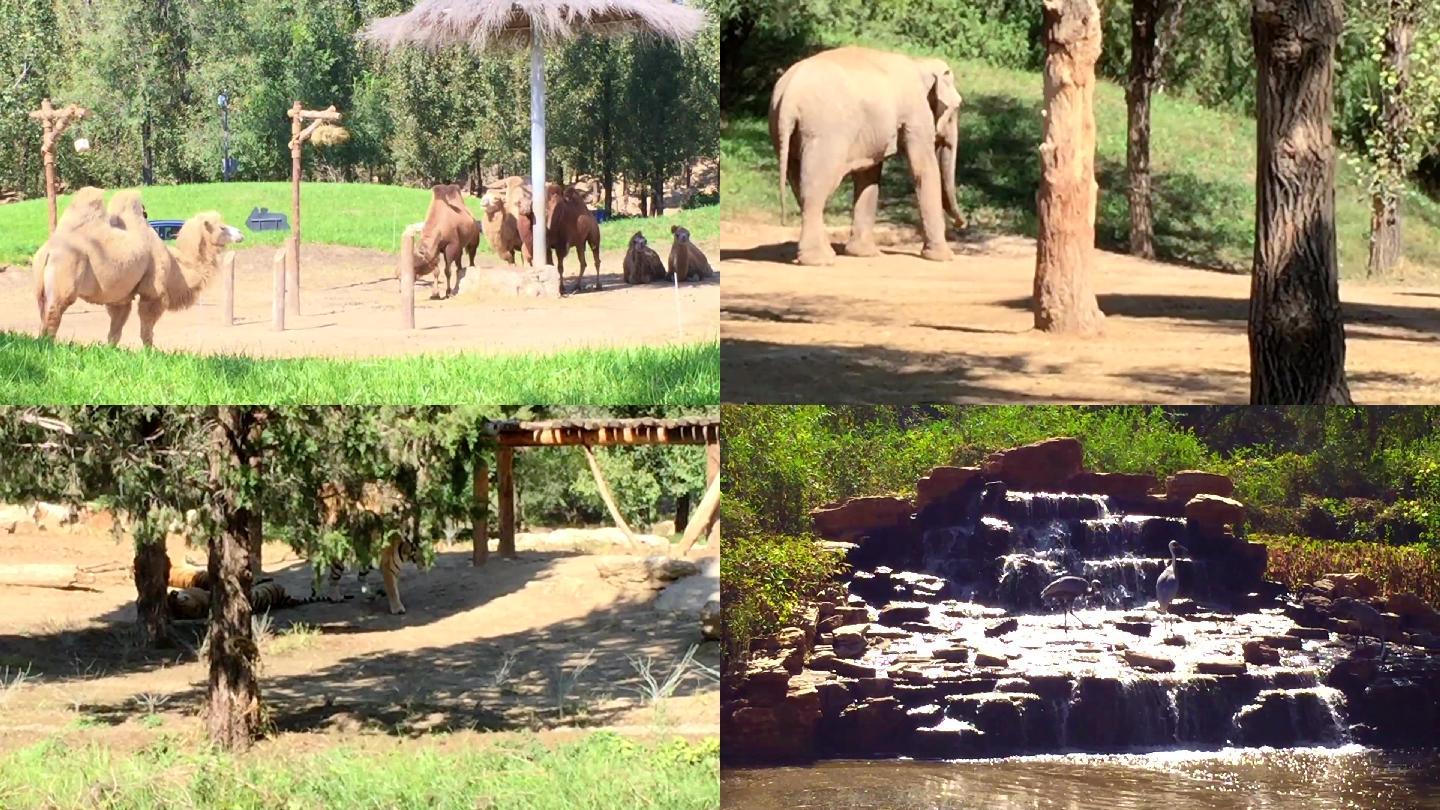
x=946, y=151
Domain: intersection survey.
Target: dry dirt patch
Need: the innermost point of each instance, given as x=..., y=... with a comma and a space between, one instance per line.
x=896, y=328
x=350, y=305
x=479, y=650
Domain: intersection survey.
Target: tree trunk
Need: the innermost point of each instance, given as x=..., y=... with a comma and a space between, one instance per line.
x=233, y=713
x=682, y=511
x=1297, y=335
x=147, y=171
x=1385, y=242
x=1144, y=15
x=658, y=208
x=152, y=573
x=1064, y=301
x=256, y=534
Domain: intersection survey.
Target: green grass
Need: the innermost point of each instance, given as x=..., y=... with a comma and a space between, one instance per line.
x=601, y=770
x=1203, y=168
x=353, y=214
x=39, y=371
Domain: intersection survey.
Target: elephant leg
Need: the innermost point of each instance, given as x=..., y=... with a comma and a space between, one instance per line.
x=119, y=314
x=150, y=312
x=925, y=171
x=820, y=174
x=867, y=200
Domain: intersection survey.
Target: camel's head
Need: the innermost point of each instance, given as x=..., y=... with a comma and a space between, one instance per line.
x=493, y=199
x=681, y=234
x=638, y=242
x=205, y=233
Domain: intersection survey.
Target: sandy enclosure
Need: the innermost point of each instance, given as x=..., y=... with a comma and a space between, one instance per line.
x=350, y=305
x=479, y=650
x=897, y=328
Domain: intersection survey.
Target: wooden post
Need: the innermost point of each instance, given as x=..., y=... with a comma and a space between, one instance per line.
x=53, y=122
x=277, y=302
x=299, y=134
x=292, y=282
x=505, y=458
x=705, y=515
x=480, y=515
x=407, y=279
x=227, y=282
x=712, y=474
x=608, y=497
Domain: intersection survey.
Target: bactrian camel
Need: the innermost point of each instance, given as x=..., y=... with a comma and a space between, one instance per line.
x=111, y=257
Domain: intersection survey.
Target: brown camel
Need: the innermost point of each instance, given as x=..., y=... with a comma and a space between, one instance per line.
x=686, y=261
x=570, y=225
x=113, y=257
x=449, y=233
x=502, y=228
x=642, y=263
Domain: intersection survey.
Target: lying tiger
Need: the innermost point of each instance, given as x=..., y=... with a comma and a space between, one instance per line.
x=378, y=513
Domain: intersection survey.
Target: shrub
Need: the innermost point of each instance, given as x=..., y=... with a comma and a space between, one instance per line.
x=766, y=580
x=1297, y=560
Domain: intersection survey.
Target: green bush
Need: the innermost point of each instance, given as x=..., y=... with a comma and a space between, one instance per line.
x=1297, y=560
x=766, y=580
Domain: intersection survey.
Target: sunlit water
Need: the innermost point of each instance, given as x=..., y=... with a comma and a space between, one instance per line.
x=1231, y=779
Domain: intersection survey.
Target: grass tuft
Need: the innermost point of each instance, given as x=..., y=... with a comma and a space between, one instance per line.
x=600, y=770
x=39, y=371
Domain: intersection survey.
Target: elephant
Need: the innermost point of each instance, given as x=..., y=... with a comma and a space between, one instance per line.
x=843, y=112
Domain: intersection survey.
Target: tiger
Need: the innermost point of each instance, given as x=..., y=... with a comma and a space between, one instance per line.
x=377, y=508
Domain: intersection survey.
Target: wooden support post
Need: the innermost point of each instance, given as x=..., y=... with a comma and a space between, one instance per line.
x=407, y=279
x=705, y=516
x=712, y=474
x=505, y=458
x=480, y=515
x=292, y=282
x=227, y=284
x=607, y=497
x=277, y=302
x=52, y=123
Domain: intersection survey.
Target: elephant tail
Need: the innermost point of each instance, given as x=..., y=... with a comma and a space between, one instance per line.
x=784, y=126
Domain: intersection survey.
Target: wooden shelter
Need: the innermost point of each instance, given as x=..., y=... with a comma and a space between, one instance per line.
x=511, y=435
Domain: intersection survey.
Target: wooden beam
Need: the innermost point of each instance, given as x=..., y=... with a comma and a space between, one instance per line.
x=227, y=281
x=712, y=474
x=597, y=437
x=407, y=278
x=480, y=515
x=608, y=498
x=505, y=480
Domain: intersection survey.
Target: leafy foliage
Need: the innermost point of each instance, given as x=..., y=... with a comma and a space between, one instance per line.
x=767, y=580
x=1296, y=560
x=152, y=74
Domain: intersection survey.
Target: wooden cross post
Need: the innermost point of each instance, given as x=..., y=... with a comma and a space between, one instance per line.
x=54, y=122
x=299, y=134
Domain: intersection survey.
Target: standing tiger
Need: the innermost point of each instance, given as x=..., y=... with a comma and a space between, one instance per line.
x=376, y=515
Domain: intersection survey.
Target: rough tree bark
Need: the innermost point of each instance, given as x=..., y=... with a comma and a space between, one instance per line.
x=255, y=533
x=152, y=573
x=1065, y=203
x=1395, y=118
x=1152, y=27
x=1297, y=336
x=233, y=714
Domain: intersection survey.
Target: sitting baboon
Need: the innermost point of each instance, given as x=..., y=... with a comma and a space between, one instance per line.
x=687, y=263
x=642, y=263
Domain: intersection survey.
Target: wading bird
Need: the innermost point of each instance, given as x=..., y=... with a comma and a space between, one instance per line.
x=1168, y=585
x=1370, y=621
x=1067, y=590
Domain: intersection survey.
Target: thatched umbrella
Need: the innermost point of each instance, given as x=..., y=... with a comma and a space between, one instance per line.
x=507, y=24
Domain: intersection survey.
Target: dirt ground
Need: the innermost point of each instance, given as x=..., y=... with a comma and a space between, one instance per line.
x=350, y=305
x=480, y=652
x=897, y=328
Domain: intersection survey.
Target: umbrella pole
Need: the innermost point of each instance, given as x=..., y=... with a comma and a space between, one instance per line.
x=537, y=147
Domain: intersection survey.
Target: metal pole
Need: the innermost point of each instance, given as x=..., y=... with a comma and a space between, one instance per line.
x=537, y=145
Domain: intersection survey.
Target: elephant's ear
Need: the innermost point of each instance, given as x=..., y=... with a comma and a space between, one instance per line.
x=944, y=99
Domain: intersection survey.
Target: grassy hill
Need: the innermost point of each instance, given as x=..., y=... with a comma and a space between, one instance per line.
x=363, y=215
x=1203, y=165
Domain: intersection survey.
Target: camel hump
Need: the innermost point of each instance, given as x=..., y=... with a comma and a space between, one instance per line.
x=86, y=206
